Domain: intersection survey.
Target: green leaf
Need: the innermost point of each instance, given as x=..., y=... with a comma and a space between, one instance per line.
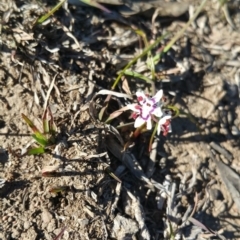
x=145, y=52
x=152, y=138
x=45, y=122
x=52, y=125
x=58, y=189
x=109, y=171
x=101, y=113
x=30, y=124
x=51, y=12
x=35, y=151
x=49, y=126
x=138, y=75
x=41, y=141
x=38, y=136
x=181, y=32
x=150, y=64
x=175, y=110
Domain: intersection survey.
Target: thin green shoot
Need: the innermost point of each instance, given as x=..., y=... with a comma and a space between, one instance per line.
x=157, y=57
x=134, y=60
x=138, y=75
x=50, y=13
x=43, y=139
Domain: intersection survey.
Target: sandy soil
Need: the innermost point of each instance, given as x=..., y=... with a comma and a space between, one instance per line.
x=81, y=49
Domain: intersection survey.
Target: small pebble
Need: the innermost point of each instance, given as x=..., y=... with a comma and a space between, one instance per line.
x=46, y=216
x=26, y=225
x=162, y=162
x=51, y=225
x=15, y=234
x=235, y=131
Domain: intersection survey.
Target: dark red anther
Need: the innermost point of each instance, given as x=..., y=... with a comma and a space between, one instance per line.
x=134, y=115
x=166, y=127
x=140, y=99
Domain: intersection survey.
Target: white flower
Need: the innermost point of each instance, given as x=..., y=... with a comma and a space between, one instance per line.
x=146, y=109
x=164, y=124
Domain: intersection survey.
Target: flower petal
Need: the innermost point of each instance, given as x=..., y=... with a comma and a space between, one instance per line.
x=134, y=107
x=157, y=97
x=157, y=112
x=145, y=112
x=141, y=97
x=170, y=128
x=149, y=124
x=164, y=119
x=139, y=122
x=158, y=129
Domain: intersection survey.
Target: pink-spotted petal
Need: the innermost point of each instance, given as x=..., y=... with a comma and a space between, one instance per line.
x=141, y=97
x=157, y=97
x=161, y=122
x=134, y=107
x=139, y=122
x=164, y=119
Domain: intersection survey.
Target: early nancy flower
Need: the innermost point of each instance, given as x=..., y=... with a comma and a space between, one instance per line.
x=164, y=124
x=147, y=109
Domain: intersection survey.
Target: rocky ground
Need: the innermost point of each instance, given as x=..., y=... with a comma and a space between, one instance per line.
x=191, y=176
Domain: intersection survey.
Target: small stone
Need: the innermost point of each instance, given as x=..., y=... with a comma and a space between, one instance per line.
x=26, y=225
x=230, y=118
x=31, y=232
x=15, y=234
x=51, y=226
x=162, y=162
x=46, y=217
x=83, y=222
x=122, y=227
x=235, y=131
x=202, y=21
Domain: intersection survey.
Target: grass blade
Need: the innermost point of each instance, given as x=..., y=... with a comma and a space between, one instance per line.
x=51, y=12
x=145, y=51
x=180, y=33
x=59, y=189
x=45, y=122
x=35, y=151
x=138, y=75
x=41, y=141
x=109, y=171
x=52, y=125
x=38, y=136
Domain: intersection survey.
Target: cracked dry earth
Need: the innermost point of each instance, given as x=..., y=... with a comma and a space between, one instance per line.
x=78, y=52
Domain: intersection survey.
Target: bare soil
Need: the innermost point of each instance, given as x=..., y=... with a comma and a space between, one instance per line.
x=81, y=49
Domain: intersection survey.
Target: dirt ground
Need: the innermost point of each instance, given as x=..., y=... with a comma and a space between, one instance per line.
x=77, y=52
